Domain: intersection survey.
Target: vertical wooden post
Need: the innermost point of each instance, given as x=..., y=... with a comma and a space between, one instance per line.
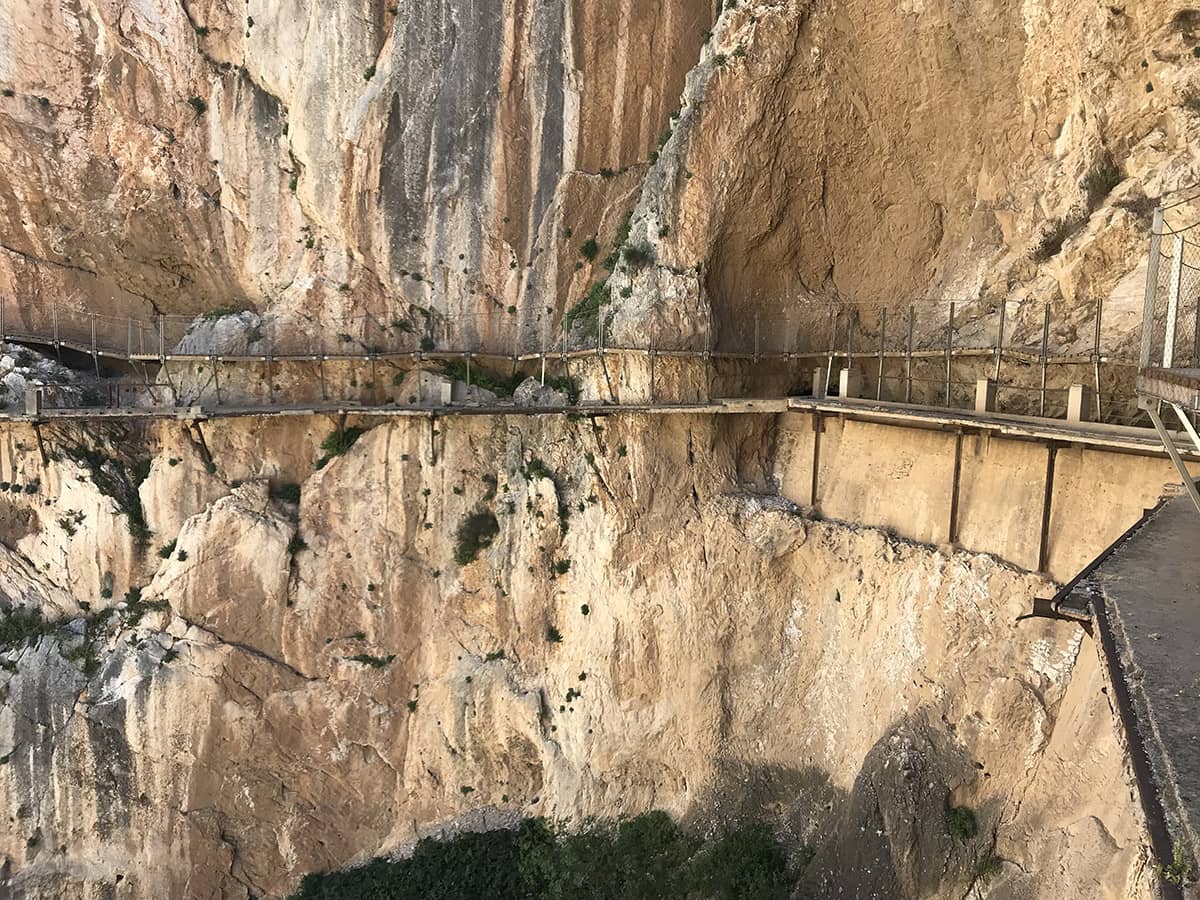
x=908, y=351
x=129, y=341
x=882, y=342
x=54, y=313
x=468, y=372
x=1045, y=351
x=162, y=338
x=216, y=378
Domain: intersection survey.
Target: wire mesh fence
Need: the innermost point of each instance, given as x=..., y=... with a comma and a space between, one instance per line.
x=926, y=352
x=785, y=329
x=1170, y=330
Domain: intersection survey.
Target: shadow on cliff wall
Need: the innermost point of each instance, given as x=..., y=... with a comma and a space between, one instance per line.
x=887, y=838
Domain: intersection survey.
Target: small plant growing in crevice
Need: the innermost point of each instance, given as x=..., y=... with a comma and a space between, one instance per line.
x=296, y=544
x=368, y=73
x=1179, y=870
x=960, y=823
x=165, y=551
x=589, y=249
x=562, y=566
x=1054, y=235
x=199, y=105
x=289, y=493
x=638, y=256
x=1100, y=181
x=475, y=533
x=553, y=635
x=494, y=655
x=375, y=662
x=338, y=442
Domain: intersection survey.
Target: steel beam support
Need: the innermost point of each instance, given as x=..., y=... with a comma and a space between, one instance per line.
x=1151, y=408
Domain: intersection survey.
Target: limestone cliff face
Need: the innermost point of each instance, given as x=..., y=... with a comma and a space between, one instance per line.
x=319, y=159
x=184, y=157
x=300, y=686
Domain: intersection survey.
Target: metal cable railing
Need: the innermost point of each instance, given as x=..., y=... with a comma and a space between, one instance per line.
x=918, y=352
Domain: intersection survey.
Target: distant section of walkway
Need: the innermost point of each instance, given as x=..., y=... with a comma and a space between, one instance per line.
x=391, y=410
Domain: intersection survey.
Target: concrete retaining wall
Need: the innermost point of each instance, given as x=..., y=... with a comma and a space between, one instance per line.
x=1040, y=507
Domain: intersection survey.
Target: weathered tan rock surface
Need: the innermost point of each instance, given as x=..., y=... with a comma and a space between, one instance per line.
x=316, y=160
x=305, y=704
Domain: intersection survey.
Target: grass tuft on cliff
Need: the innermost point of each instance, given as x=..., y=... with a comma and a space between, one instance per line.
x=338, y=442
x=647, y=856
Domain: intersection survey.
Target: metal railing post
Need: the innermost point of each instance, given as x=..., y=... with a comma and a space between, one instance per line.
x=949, y=351
x=908, y=351
x=54, y=314
x=708, y=365
x=162, y=338
x=1168, y=357
x=836, y=314
x=882, y=341
x=1096, y=359
x=321, y=367
x=216, y=379
x=129, y=340
x=95, y=352
x=1000, y=342
x=1045, y=357
x=2, y=331
x=650, y=351
x=271, y=372
x=1151, y=287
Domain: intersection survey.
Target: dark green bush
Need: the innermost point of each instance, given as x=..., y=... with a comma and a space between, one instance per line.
x=638, y=256
x=644, y=858
x=475, y=533
x=586, y=313
x=1099, y=182
x=289, y=493
x=338, y=442
x=199, y=105
x=960, y=823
